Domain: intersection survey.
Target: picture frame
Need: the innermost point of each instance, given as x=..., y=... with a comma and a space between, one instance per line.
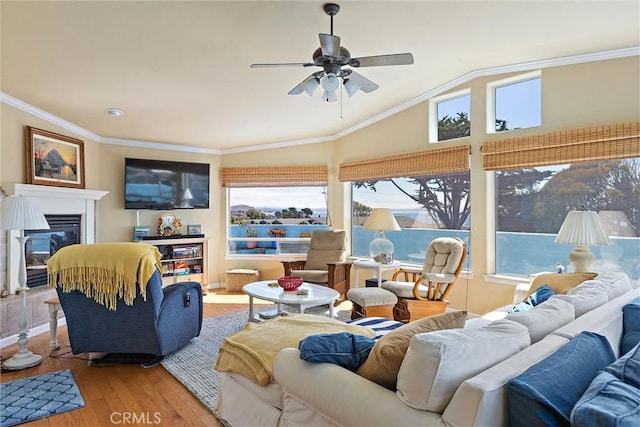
x=194, y=229
x=141, y=231
x=54, y=159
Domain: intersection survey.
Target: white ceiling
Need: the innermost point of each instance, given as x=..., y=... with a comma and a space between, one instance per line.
x=180, y=69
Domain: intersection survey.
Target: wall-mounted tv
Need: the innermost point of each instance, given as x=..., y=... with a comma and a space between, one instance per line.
x=163, y=184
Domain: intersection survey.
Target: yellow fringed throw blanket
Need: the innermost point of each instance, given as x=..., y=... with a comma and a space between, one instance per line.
x=105, y=272
x=251, y=351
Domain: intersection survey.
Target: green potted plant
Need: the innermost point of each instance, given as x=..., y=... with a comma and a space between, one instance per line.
x=251, y=232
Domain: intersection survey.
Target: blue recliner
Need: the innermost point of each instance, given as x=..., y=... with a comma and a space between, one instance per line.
x=156, y=326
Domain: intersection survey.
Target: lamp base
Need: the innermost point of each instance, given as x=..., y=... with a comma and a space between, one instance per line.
x=22, y=360
x=381, y=249
x=581, y=259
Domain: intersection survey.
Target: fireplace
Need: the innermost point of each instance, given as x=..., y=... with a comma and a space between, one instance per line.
x=53, y=202
x=64, y=230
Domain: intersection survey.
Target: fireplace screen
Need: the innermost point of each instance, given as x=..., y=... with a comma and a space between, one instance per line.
x=64, y=231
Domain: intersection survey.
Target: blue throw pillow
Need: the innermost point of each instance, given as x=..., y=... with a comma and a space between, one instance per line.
x=544, y=394
x=607, y=402
x=344, y=349
x=627, y=368
x=630, y=325
x=538, y=297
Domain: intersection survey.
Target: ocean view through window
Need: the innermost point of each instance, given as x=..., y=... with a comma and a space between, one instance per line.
x=272, y=221
x=425, y=207
x=531, y=204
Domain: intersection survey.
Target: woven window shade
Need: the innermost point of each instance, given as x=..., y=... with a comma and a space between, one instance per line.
x=609, y=142
x=275, y=176
x=421, y=163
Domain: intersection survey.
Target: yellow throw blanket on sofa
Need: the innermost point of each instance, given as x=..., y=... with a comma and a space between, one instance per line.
x=251, y=351
x=105, y=272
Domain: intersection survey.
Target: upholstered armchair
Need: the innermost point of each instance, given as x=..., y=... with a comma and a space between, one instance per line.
x=113, y=300
x=325, y=263
x=423, y=292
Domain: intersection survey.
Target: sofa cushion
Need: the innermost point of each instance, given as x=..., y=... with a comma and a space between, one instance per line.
x=545, y=393
x=544, y=318
x=438, y=362
x=560, y=283
x=607, y=402
x=627, y=368
x=630, y=325
x=344, y=349
x=538, y=297
x=613, y=283
x=583, y=302
x=384, y=361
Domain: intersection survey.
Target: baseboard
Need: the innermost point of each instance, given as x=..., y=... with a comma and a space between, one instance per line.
x=12, y=339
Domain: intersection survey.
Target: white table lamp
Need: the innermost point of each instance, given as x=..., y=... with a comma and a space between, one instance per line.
x=381, y=248
x=21, y=213
x=186, y=198
x=582, y=228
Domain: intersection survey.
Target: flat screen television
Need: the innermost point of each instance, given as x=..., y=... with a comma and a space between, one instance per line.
x=163, y=184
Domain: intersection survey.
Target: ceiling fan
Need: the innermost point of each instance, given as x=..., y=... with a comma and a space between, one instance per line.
x=332, y=57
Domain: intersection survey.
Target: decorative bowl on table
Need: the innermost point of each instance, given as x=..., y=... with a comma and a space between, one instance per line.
x=290, y=283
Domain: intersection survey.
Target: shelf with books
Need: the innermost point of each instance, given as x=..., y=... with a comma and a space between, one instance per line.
x=183, y=260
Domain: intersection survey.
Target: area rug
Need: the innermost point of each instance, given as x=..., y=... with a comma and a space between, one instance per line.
x=38, y=397
x=193, y=365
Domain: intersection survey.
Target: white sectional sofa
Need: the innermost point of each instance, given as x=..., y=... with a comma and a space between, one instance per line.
x=467, y=389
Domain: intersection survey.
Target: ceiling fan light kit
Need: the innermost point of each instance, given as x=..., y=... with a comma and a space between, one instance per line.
x=332, y=57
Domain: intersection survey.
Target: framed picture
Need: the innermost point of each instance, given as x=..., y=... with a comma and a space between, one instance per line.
x=141, y=231
x=194, y=229
x=54, y=159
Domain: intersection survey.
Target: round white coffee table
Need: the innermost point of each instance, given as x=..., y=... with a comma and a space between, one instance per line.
x=318, y=295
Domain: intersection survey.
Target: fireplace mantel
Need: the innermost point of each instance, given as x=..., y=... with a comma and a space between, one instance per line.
x=52, y=201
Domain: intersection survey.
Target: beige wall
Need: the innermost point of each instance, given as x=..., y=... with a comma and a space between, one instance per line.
x=572, y=96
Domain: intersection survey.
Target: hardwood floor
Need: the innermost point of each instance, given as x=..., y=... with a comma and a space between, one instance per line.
x=124, y=394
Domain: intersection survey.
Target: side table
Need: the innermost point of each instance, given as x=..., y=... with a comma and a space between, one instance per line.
x=377, y=268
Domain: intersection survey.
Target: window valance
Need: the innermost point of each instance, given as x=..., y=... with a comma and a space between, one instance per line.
x=275, y=176
x=608, y=142
x=421, y=163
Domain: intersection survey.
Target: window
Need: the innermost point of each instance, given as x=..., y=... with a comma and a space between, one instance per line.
x=425, y=207
x=533, y=202
x=514, y=103
x=450, y=116
x=274, y=220
x=428, y=191
x=540, y=178
x=274, y=209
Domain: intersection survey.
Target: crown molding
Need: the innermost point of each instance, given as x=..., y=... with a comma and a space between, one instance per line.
x=283, y=144
x=41, y=114
x=159, y=145
x=524, y=66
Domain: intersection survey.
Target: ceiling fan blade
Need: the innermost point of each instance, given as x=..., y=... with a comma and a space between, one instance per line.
x=283, y=64
x=375, y=61
x=357, y=81
x=330, y=45
x=308, y=85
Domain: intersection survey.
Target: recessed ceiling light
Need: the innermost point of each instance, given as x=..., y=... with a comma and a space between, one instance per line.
x=115, y=112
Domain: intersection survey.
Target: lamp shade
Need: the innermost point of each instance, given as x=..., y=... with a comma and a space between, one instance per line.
x=381, y=219
x=582, y=228
x=22, y=213
x=187, y=195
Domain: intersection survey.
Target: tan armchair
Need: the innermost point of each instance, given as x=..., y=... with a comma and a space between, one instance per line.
x=325, y=263
x=423, y=292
